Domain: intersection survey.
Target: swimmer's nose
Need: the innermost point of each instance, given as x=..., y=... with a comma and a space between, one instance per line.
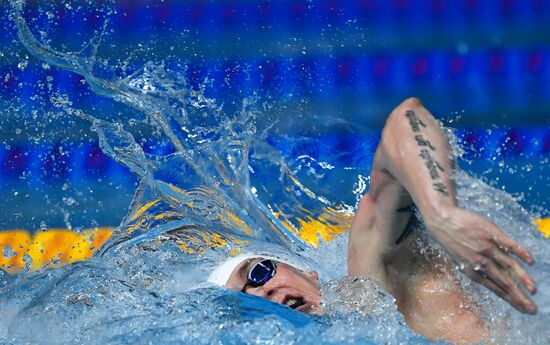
x=267, y=292
x=263, y=291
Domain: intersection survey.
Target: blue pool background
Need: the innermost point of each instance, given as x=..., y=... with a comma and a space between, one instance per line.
x=483, y=67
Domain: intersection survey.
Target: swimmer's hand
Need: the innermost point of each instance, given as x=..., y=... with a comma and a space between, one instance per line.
x=415, y=156
x=484, y=253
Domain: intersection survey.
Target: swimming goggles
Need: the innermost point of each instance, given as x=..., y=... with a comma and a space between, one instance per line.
x=260, y=273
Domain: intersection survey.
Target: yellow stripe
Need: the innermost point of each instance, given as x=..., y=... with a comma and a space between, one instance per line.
x=543, y=226
x=52, y=248
x=143, y=208
x=325, y=227
x=58, y=247
x=15, y=240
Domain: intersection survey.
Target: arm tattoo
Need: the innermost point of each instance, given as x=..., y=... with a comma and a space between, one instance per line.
x=441, y=188
x=420, y=141
x=433, y=166
x=414, y=121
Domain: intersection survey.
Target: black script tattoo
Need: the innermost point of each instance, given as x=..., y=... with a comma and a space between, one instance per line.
x=414, y=121
x=441, y=188
x=420, y=141
x=432, y=165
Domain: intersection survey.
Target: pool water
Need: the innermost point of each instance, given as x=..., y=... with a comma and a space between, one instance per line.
x=222, y=178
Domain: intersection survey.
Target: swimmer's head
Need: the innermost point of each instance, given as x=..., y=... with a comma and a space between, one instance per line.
x=276, y=279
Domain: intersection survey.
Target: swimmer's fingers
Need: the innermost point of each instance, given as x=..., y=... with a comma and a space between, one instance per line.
x=491, y=285
x=515, y=269
x=518, y=297
x=501, y=282
x=509, y=245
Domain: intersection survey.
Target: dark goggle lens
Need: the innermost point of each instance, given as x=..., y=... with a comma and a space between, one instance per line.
x=261, y=273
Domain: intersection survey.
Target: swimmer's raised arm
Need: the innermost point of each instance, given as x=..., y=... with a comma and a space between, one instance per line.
x=414, y=164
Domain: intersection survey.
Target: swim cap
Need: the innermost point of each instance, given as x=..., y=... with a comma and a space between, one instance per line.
x=221, y=274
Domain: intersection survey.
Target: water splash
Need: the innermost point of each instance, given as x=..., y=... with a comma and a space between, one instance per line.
x=213, y=154
x=221, y=177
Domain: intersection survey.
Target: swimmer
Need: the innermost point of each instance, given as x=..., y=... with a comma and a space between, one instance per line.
x=413, y=167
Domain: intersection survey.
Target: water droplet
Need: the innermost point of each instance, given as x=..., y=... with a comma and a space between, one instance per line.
x=27, y=259
x=8, y=252
x=69, y=201
x=22, y=65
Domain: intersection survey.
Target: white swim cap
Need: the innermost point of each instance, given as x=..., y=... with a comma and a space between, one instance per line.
x=221, y=274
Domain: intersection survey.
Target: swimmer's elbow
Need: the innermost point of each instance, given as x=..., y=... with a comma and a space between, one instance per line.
x=397, y=128
x=411, y=103
x=408, y=122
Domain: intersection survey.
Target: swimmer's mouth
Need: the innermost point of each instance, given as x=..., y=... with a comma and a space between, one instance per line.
x=294, y=302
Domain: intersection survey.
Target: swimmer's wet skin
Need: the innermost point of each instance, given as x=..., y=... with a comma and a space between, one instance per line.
x=413, y=165
x=273, y=278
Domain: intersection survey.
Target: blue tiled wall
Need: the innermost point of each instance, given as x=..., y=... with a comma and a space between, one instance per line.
x=486, y=60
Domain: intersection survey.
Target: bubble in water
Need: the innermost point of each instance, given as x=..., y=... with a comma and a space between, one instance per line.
x=8, y=252
x=43, y=226
x=27, y=259
x=70, y=201
x=59, y=101
x=22, y=65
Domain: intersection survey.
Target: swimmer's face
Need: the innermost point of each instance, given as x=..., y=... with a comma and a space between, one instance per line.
x=289, y=286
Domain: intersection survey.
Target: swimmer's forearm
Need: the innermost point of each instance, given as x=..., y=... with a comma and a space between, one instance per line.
x=416, y=152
